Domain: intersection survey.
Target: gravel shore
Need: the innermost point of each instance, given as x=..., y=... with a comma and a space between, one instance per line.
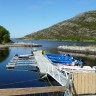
x=20, y=45
x=79, y=49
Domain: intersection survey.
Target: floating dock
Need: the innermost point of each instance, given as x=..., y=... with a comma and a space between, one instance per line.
x=21, y=61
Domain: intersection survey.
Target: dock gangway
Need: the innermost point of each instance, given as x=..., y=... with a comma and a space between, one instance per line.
x=46, y=67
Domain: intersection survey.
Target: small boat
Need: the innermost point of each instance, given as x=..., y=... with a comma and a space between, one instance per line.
x=64, y=59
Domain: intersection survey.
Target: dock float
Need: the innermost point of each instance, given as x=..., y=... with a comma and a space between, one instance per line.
x=21, y=60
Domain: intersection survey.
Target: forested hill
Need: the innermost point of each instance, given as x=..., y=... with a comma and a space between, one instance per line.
x=4, y=35
x=79, y=28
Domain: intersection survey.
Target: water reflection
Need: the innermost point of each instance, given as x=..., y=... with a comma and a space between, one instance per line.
x=88, y=61
x=4, y=53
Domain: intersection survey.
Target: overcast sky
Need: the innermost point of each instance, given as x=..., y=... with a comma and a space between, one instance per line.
x=22, y=17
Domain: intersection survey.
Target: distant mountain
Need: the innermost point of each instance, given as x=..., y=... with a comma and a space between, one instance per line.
x=79, y=28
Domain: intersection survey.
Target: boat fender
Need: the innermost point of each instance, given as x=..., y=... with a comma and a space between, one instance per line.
x=42, y=51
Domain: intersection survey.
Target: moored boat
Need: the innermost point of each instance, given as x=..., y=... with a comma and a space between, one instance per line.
x=64, y=59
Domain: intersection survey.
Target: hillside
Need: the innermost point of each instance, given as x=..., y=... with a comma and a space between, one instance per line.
x=79, y=28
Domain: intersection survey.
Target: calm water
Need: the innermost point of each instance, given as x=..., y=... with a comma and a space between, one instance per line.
x=11, y=78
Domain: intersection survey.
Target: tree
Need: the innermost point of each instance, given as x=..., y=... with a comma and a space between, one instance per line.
x=4, y=35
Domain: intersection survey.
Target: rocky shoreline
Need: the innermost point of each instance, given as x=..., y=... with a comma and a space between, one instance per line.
x=21, y=44
x=79, y=49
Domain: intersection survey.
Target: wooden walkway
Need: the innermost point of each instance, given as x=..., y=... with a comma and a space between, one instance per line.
x=34, y=90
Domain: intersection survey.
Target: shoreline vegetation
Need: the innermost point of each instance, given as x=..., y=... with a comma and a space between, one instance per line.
x=4, y=35
x=20, y=44
x=62, y=38
x=83, y=40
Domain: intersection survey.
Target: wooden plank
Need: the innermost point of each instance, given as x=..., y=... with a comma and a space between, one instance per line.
x=85, y=83
x=91, y=82
x=74, y=79
x=79, y=82
x=34, y=90
x=94, y=83
x=83, y=88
